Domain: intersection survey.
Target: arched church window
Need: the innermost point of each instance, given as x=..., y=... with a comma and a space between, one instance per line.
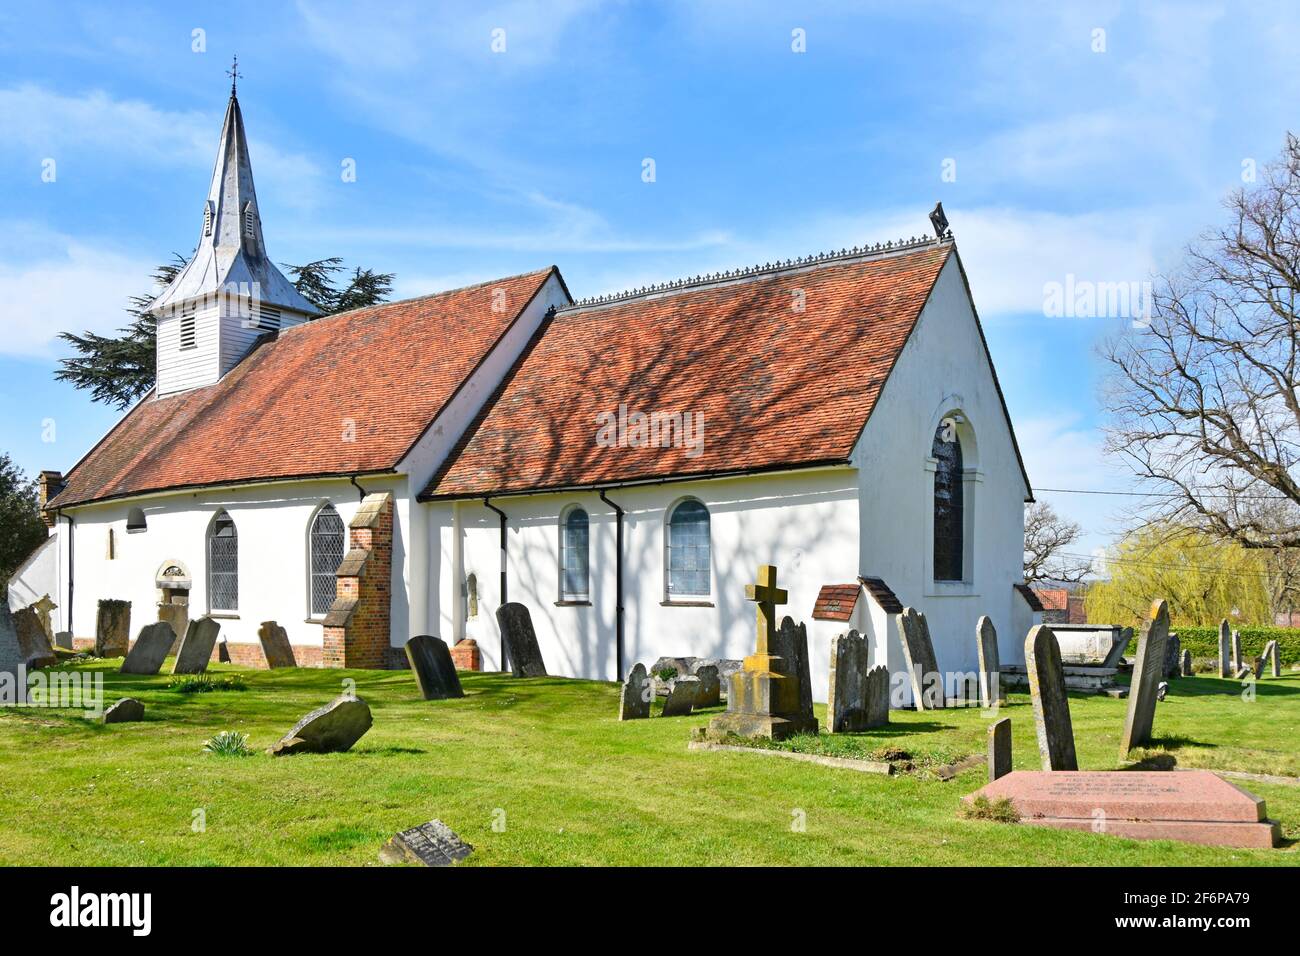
x=135, y=521
x=223, y=564
x=326, y=555
x=574, y=555
x=688, y=550
x=949, y=517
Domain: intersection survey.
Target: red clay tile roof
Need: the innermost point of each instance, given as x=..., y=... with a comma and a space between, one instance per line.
x=884, y=595
x=1038, y=600
x=777, y=387
x=282, y=412
x=835, y=602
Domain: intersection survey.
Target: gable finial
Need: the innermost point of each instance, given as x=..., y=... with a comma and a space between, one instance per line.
x=234, y=74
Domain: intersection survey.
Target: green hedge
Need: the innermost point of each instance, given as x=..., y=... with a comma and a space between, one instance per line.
x=1204, y=642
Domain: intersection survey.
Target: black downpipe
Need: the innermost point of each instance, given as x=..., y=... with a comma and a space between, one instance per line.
x=67, y=624
x=618, y=586
x=353, y=479
x=505, y=663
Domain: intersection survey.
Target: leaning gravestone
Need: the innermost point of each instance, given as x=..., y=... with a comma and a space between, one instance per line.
x=1173, y=656
x=918, y=654
x=12, y=691
x=1051, y=703
x=521, y=640
x=1148, y=672
x=790, y=642
x=33, y=645
x=681, y=697
x=634, y=701
x=152, y=645
x=333, y=728
x=429, y=844
x=1225, y=648
x=990, y=668
x=999, y=748
x=1187, y=664
x=127, y=710
x=196, y=647
x=1274, y=658
x=710, y=686
x=431, y=663
x=112, y=628
x=275, y=645
x=846, y=702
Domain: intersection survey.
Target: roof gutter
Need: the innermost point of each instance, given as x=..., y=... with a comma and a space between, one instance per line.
x=425, y=497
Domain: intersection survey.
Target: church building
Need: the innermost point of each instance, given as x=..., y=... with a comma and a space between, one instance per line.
x=620, y=465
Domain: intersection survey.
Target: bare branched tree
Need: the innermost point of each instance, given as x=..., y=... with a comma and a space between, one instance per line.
x=1204, y=402
x=1048, y=538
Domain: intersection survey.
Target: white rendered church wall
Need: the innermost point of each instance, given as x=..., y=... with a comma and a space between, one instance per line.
x=37, y=576
x=272, y=522
x=806, y=523
x=943, y=369
x=435, y=444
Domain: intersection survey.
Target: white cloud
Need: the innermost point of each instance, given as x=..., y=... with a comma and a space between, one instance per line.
x=44, y=123
x=68, y=285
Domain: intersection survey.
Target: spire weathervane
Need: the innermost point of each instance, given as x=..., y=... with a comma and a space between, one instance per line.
x=234, y=74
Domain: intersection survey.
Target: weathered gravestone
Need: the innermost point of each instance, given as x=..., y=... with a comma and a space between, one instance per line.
x=918, y=654
x=196, y=646
x=1225, y=648
x=1274, y=658
x=765, y=698
x=152, y=645
x=521, y=640
x=1257, y=669
x=710, y=694
x=1237, y=662
x=634, y=701
x=429, y=844
x=846, y=703
x=1187, y=664
x=990, y=667
x=999, y=748
x=682, y=694
x=112, y=628
x=63, y=640
x=12, y=690
x=275, y=645
x=791, y=644
x=859, y=694
x=333, y=728
x=1047, y=692
x=1148, y=671
x=1173, y=656
x=43, y=608
x=127, y=710
x=435, y=674
x=223, y=650
x=33, y=646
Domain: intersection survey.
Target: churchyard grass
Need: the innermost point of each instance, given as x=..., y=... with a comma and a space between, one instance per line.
x=548, y=758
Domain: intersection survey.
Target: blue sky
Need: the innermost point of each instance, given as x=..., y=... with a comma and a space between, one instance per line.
x=1097, y=155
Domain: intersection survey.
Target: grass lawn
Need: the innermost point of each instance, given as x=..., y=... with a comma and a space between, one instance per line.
x=573, y=785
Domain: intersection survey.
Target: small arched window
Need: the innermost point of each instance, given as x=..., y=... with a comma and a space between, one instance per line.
x=574, y=555
x=223, y=564
x=326, y=556
x=135, y=521
x=688, y=550
x=949, y=517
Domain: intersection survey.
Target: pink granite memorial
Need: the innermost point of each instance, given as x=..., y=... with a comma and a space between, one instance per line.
x=1193, y=806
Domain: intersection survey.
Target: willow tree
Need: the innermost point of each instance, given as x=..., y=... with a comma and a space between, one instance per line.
x=1205, y=578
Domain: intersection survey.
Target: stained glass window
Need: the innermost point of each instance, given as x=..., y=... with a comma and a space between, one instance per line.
x=949, y=520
